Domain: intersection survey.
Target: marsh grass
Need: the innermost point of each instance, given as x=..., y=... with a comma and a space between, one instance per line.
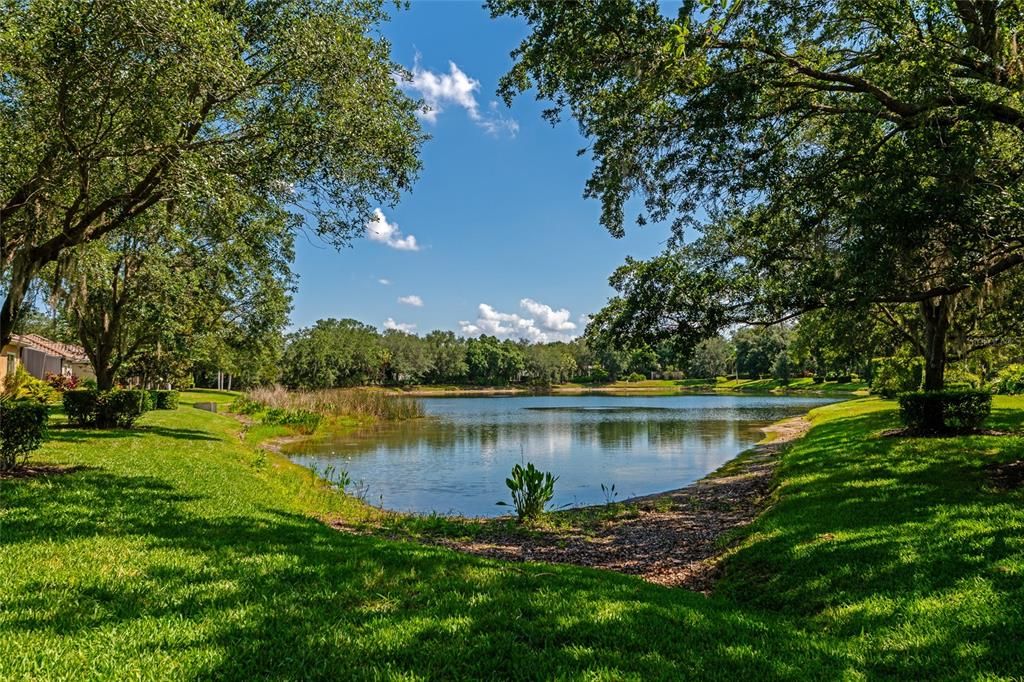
x=340, y=402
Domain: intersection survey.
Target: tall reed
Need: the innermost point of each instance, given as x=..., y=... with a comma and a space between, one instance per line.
x=337, y=402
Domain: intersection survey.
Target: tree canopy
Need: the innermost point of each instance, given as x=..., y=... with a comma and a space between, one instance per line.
x=109, y=108
x=810, y=154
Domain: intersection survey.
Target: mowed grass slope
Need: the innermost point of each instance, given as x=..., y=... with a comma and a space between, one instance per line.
x=901, y=546
x=180, y=552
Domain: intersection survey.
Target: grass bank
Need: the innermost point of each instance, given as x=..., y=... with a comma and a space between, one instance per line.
x=179, y=551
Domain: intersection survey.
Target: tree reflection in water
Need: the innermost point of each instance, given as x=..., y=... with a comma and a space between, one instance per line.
x=456, y=460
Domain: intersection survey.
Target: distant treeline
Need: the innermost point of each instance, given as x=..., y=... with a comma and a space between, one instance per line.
x=337, y=353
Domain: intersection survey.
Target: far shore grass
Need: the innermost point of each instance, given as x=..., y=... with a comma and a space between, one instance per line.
x=181, y=551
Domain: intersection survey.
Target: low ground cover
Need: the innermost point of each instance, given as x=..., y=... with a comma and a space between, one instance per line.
x=180, y=550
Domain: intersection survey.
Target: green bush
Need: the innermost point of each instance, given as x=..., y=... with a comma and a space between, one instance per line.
x=80, y=406
x=1010, y=380
x=164, y=400
x=302, y=421
x=23, y=386
x=635, y=377
x=245, y=405
x=106, y=409
x=959, y=378
x=22, y=429
x=895, y=375
x=841, y=378
x=945, y=411
x=121, y=408
x=531, y=489
x=818, y=379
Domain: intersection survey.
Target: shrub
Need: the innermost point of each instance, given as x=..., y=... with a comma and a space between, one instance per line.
x=80, y=406
x=164, y=400
x=62, y=382
x=106, y=409
x=945, y=411
x=635, y=376
x=23, y=386
x=531, y=489
x=599, y=375
x=895, y=375
x=957, y=377
x=818, y=379
x=245, y=405
x=841, y=378
x=302, y=421
x=1010, y=380
x=121, y=408
x=22, y=429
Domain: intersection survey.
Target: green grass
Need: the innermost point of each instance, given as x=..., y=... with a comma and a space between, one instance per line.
x=181, y=552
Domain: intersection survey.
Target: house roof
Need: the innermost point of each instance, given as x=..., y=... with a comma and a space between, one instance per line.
x=68, y=351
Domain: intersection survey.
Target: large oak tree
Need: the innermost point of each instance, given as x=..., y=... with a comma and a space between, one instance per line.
x=109, y=108
x=811, y=153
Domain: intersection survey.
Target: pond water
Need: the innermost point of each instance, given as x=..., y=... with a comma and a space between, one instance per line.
x=456, y=460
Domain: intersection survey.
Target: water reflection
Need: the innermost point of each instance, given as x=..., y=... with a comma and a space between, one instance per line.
x=456, y=460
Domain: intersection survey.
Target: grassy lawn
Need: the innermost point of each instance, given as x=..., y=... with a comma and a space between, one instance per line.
x=179, y=551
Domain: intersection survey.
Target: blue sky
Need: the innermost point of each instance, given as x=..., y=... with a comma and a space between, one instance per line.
x=497, y=215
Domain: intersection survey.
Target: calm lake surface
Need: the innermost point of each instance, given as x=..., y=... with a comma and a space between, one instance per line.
x=456, y=460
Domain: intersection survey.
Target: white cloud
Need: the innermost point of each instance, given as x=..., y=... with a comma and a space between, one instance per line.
x=412, y=300
x=551, y=320
x=384, y=281
x=438, y=90
x=380, y=230
x=399, y=326
x=547, y=324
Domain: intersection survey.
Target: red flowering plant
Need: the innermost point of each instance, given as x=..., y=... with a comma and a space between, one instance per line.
x=62, y=382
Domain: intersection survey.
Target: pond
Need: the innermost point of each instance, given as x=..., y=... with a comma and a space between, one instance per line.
x=456, y=460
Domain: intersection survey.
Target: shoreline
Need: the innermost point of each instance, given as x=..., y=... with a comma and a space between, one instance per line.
x=484, y=392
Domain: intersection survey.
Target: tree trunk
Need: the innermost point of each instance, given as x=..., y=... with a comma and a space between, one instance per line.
x=937, y=314
x=21, y=273
x=104, y=375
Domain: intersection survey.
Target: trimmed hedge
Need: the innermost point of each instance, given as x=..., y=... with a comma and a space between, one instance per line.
x=945, y=411
x=106, y=409
x=22, y=430
x=164, y=400
x=80, y=406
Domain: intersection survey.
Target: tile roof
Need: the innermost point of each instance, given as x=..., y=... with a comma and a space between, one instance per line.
x=68, y=351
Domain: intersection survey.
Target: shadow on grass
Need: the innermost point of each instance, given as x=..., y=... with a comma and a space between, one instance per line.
x=69, y=433
x=280, y=596
x=902, y=538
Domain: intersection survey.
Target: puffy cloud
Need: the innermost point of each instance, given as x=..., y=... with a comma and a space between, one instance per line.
x=380, y=230
x=407, y=327
x=438, y=90
x=545, y=326
x=412, y=300
x=549, y=319
x=384, y=281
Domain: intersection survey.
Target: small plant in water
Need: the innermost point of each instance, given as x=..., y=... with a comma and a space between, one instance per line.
x=531, y=489
x=609, y=493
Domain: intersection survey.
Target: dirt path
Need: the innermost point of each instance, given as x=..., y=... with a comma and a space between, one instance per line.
x=671, y=538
